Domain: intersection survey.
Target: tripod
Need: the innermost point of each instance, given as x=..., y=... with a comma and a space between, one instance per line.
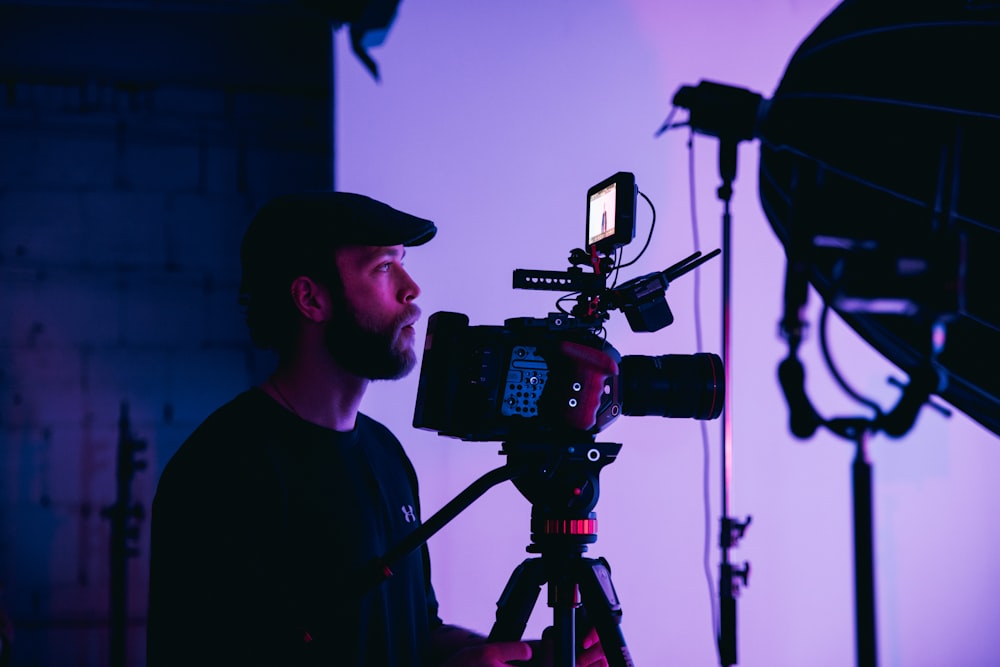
x=562, y=524
x=573, y=581
x=561, y=481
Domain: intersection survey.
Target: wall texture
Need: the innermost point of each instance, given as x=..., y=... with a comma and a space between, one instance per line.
x=134, y=147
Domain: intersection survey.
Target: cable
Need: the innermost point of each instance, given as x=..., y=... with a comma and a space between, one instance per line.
x=705, y=445
x=565, y=297
x=616, y=267
x=825, y=348
x=649, y=236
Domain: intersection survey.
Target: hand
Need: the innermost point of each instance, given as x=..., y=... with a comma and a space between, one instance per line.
x=592, y=654
x=497, y=654
x=589, y=653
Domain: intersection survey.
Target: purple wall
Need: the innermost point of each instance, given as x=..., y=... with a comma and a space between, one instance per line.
x=494, y=119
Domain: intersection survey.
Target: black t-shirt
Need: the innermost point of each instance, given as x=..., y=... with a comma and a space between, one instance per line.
x=262, y=527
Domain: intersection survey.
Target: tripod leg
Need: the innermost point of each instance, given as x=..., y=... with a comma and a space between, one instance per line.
x=518, y=600
x=600, y=602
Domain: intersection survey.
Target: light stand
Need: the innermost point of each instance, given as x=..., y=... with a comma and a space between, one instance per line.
x=124, y=515
x=730, y=114
x=730, y=530
x=864, y=553
x=804, y=420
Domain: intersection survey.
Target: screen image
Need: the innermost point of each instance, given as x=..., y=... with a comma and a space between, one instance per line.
x=601, y=222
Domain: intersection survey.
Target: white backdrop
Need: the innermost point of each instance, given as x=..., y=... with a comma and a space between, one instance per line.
x=493, y=119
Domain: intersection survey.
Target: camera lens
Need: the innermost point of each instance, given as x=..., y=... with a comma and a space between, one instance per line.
x=673, y=385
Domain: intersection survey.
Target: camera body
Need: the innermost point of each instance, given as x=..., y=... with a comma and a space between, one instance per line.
x=513, y=382
x=550, y=380
x=554, y=379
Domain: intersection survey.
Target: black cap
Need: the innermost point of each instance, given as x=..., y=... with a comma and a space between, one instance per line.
x=289, y=231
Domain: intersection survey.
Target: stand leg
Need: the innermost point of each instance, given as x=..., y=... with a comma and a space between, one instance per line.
x=600, y=601
x=864, y=565
x=576, y=582
x=517, y=601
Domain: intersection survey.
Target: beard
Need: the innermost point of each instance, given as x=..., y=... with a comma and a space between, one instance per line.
x=369, y=349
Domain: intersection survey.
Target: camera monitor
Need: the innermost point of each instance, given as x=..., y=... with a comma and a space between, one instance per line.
x=611, y=212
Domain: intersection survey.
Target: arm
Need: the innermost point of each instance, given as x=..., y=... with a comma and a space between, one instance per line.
x=457, y=647
x=447, y=640
x=589, y=652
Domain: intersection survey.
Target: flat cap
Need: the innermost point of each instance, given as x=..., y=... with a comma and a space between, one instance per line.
x=289, y=232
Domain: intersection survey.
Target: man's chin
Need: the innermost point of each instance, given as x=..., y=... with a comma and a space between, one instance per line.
x=403, y=364
x=403, y=350
x=407, y=363
x=374, y=355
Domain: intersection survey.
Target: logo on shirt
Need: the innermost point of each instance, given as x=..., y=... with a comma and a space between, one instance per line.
x=409, y=514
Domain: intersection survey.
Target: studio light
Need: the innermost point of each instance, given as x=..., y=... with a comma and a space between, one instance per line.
x=878, y=172
x=879, y=165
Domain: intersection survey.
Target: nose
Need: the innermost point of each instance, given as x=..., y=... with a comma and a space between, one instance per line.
x=409, y=290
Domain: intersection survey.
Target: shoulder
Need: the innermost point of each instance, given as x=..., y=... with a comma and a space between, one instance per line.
x=226, y=441
x=370, y=428
x=381, y=443
x=379, y=440
x=243, y=415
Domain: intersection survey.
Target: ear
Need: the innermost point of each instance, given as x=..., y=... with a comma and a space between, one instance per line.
x=311, y=298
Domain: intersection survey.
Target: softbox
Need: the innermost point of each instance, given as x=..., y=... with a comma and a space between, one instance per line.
x=879, y=170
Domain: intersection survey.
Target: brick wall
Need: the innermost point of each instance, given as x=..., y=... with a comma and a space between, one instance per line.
x=134, y=146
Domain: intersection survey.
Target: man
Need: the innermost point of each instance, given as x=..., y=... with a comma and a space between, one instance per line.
x=265, y=519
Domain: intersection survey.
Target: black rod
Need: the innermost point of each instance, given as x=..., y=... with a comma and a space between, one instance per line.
x=864, y=560
x=727, y=640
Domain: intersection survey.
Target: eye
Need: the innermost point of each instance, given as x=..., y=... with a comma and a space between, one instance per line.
x=389, y=265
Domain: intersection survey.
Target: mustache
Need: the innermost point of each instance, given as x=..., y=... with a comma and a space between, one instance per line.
x=408, y=316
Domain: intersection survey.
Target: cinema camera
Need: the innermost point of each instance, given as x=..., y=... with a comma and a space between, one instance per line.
x=556, y=379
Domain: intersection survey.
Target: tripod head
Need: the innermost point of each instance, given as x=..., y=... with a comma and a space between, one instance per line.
x=563, y=487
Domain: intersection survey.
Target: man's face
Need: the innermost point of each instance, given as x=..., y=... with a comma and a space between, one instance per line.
x=371, y=333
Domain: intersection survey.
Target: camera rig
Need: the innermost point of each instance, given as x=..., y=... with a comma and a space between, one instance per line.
x=545, y=387
x=642, y=299
x=557, y=379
